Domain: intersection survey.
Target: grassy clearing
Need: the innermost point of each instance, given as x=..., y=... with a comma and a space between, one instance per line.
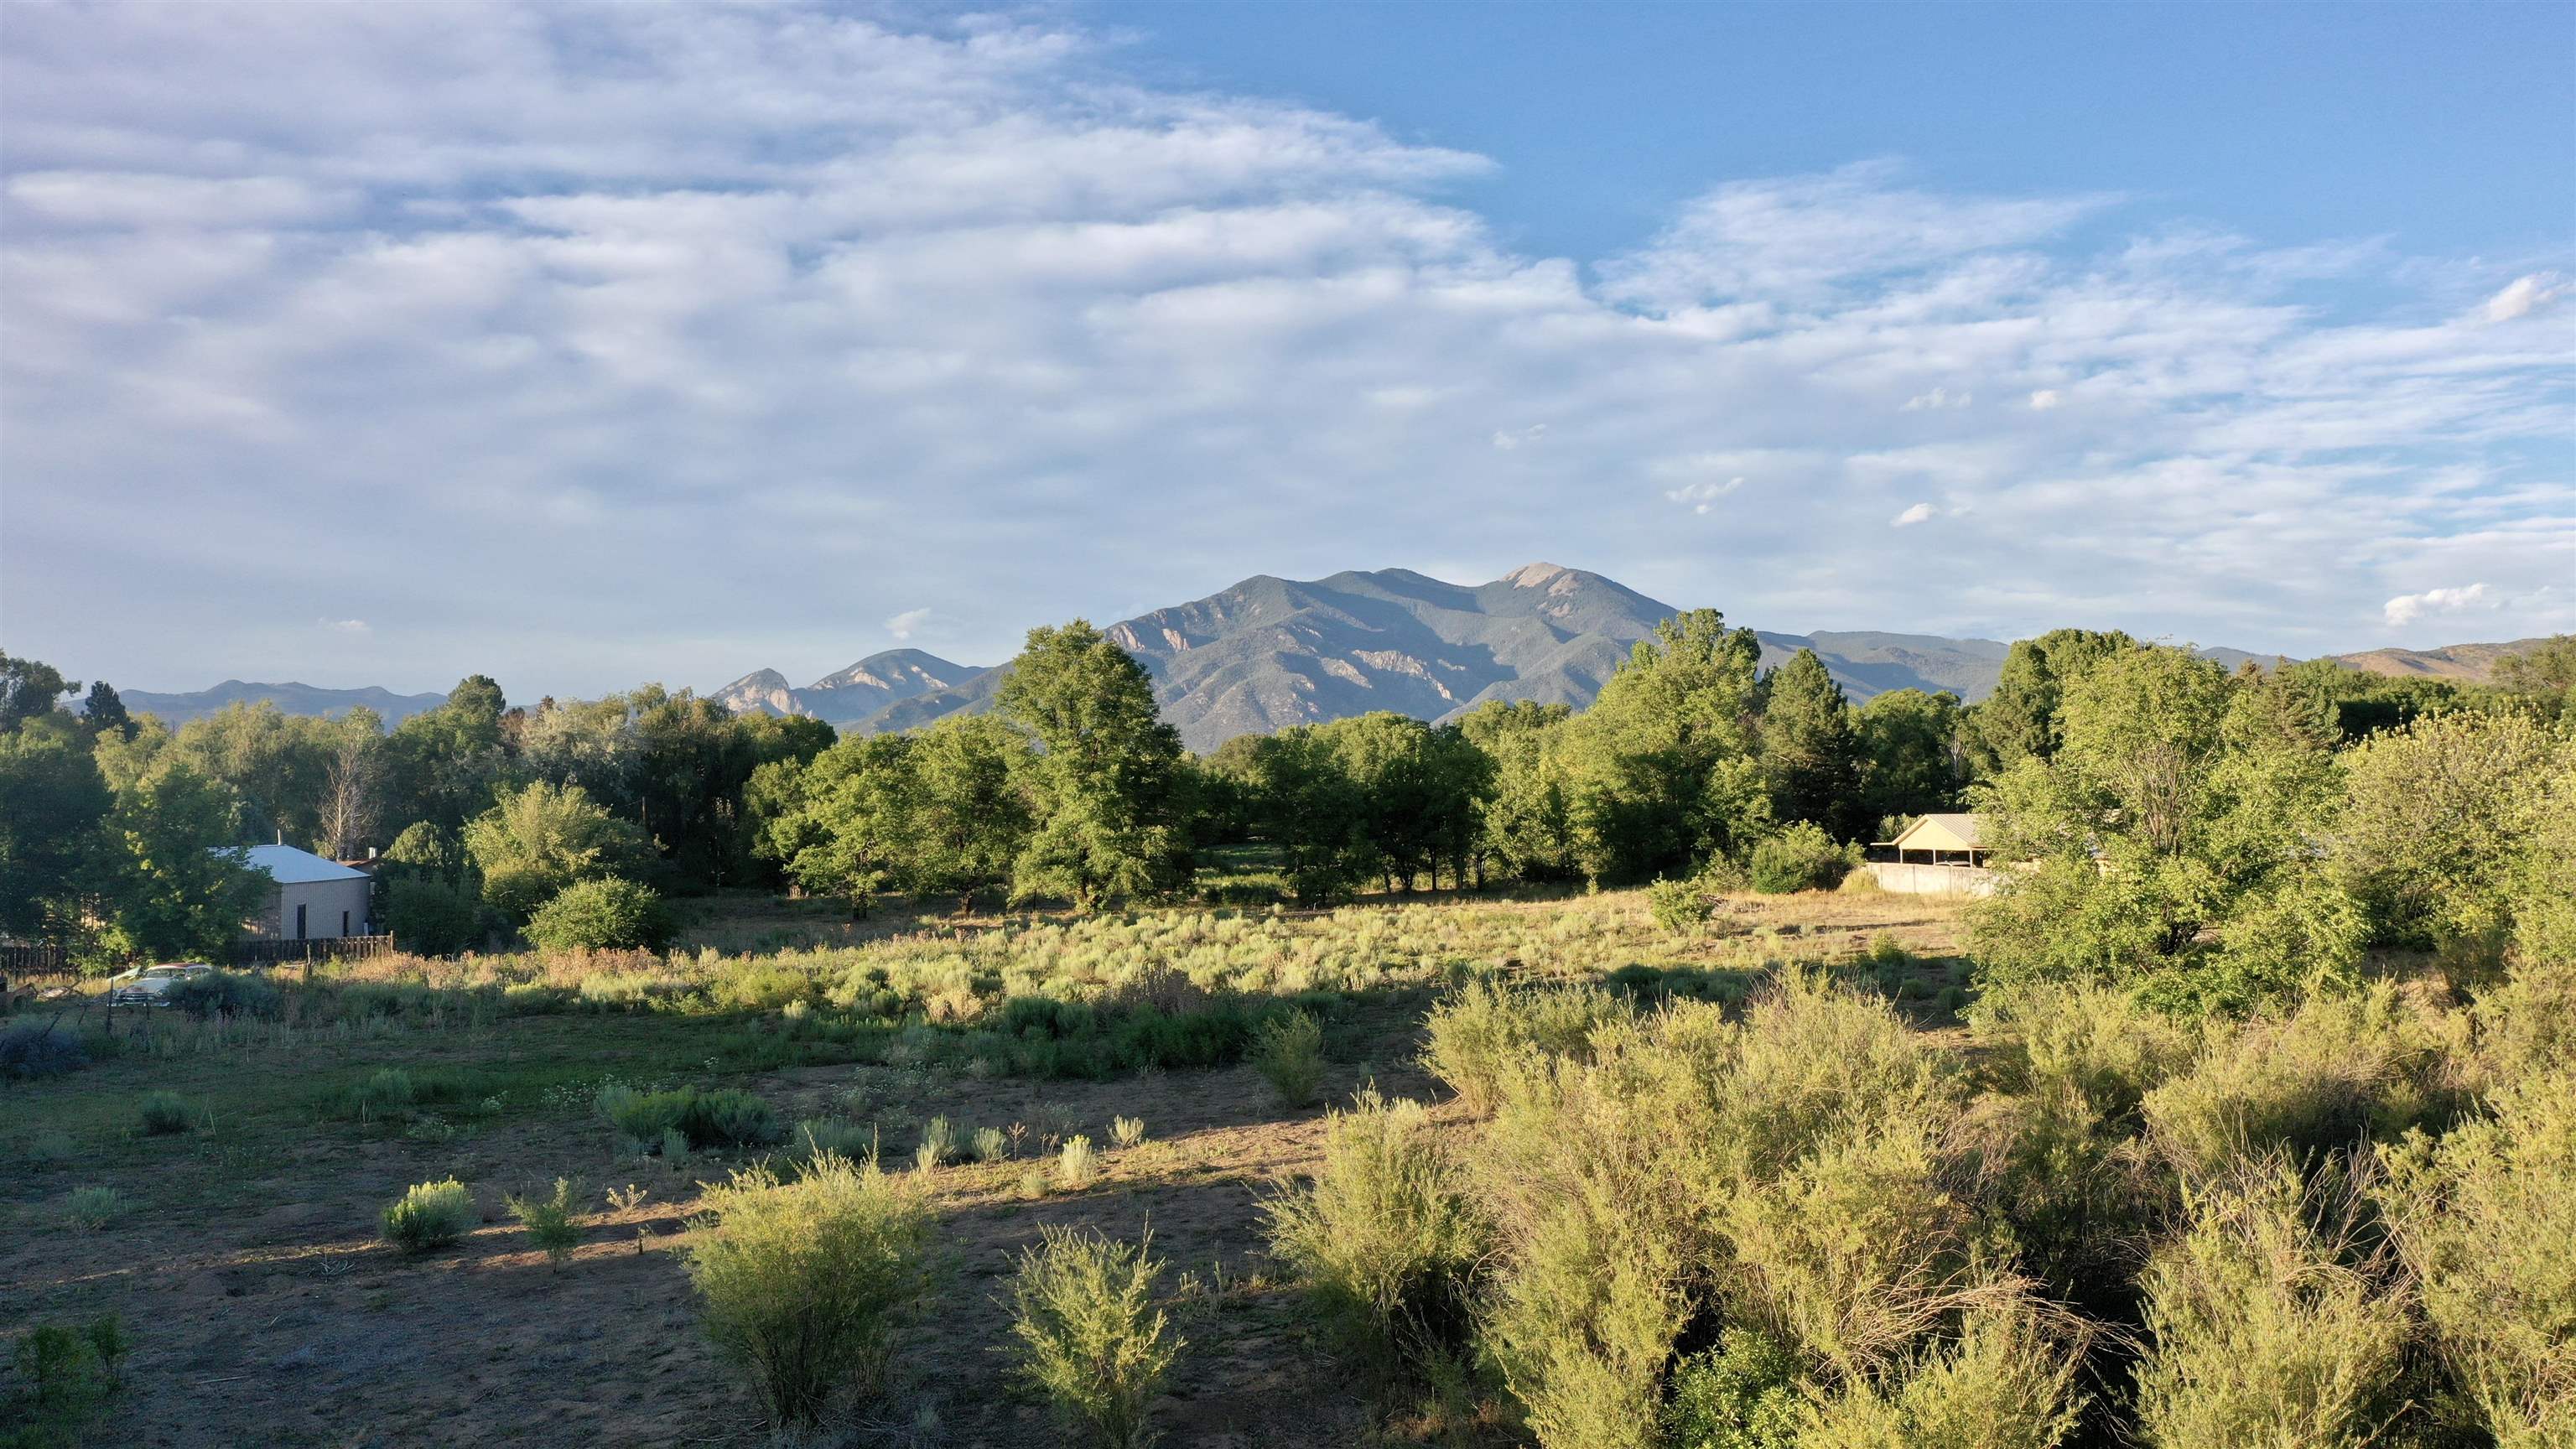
x=267, y=1271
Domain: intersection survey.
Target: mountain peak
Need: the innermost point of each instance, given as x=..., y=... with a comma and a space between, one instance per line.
x=1535, y=575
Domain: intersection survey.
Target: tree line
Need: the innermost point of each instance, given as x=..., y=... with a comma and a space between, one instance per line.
x=2103, y=758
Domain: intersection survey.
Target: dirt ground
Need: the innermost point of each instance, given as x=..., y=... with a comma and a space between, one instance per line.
x=244, y=1260
x=273, y=1316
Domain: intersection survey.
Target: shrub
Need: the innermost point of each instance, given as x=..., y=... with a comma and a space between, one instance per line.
x=164, y=1114
x=432, y=917
x=28, y=1050
x=1801, y=858
x=1383, y=1239
x=1077, y=1166
x=1859, y=1250
x=225, y=993
x=1289, y=1054
x=549, y=1221
x=601, y=915
x=819, y=1137
x=2003, y=1385
x=1485, y=1029
x=992, y=1144
x=2486, y=1219
x=1127, y=1131
x=1033, y=1183
x=939, y=1140
x=66, y=1372
x=1090, y=1336
x=2261, y=1330
x=429, y=1216
x=810, y=1284
x=1743, y=1394
x=1679, y=906
x=2343, y=1068
x=92, y=1208
x=726, y=1117
x=390, y=1089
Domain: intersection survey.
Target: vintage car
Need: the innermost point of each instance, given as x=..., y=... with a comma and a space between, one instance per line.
x=150, y=985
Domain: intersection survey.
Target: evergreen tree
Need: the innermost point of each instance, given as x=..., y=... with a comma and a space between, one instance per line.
x=103, y=711
x=2019, y=720
x=1810, y=750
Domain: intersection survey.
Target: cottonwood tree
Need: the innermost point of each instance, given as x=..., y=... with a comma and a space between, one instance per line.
x=1911, y=757
x=1663, y=770
x=2179, y=806
x=537, y=840
x=1102, y=788
x=28, y=689
x=52, y=801
x=1527, y=824
x=171, y=882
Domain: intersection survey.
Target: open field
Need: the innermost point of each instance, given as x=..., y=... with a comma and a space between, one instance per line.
x=242, y=1254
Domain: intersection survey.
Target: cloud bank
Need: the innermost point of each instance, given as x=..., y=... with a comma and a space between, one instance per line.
x=592, y=345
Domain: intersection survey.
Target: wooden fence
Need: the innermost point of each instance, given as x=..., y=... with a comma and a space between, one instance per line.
x=319, y=948
x=17, y=961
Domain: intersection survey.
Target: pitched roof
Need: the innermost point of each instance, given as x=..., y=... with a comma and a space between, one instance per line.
x=1960, y=825
x=289, y=866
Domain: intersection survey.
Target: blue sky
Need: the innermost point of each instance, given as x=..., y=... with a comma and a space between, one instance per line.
x=590, y=345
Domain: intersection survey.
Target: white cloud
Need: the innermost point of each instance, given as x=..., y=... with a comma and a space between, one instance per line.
x=2044, y=399
x=2407, y=608
x=907, y=623
x=1919, y=513
x=1703, y=495
x=343, y=626
x=2525, y=295
x=822, y=315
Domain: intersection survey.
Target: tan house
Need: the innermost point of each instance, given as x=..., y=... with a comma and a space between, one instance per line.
x=1938, y=855
x=1950, y=839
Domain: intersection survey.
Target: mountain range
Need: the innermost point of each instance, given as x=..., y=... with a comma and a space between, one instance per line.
x=1273, y=652
x=177, y=709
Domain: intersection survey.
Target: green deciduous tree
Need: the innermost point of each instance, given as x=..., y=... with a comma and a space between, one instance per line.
x=29, y=688
x=2180, y=806
x=1912, y=759
x=2544, y=677
x=2440, y=817
x=537, y=840
x=1103, y=788
x=1528, y=819
x=1663, y=771
x=52, y=800
x=443, y=763
x=171, y=884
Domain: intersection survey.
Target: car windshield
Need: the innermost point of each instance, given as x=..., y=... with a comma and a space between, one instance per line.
x=167, y=971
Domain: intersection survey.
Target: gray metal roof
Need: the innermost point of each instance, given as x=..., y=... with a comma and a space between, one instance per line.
x=289, y=866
